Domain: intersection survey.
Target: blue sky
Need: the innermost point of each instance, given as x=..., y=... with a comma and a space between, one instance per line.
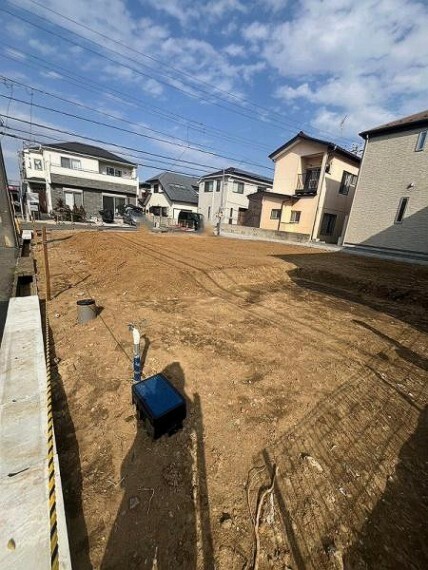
x=208, y=84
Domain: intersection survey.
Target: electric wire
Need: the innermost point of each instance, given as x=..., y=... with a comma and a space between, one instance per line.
x=190, y=94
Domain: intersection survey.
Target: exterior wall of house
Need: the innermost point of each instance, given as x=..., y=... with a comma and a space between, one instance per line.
x=332, y=202
x=289, y=165
x=91, y=168
x=302, y=156
x=90, y=179
x=226, y=199
x=307, y=206
x=270, y=203
x=173, y=208
x=92, y=199
x=390, y=165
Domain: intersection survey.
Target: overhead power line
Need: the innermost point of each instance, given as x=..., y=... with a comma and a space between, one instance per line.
x=108, y=143
x=187, y=144
x=261, y=118
x=156, y=60
x=128, y=131
x=93, y=86
x=40, y=138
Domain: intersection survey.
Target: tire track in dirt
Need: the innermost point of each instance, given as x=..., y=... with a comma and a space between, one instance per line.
x=202, y=278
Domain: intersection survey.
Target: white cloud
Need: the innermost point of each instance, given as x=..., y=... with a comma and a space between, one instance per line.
x=14, y=53
x=189, y=11
x=194, y=57
x=235, y=50
x=359, y=59
x=51, y=75
x=42, y=47
x=256, y=32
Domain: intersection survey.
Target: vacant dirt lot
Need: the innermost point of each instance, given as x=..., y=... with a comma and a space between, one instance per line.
x=312, y=361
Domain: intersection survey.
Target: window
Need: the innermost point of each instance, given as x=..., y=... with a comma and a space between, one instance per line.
x=38, y=164
x=402, y=205
x=209, y=185
x=421, y=141
x=238, y=187
x=348, y=183
x=73, y=163
x=328, y=223
x=114, y=203
x=218, y=186
x=295, y=217
x=111, y=171
x=275, y=214
x=155, y=188
x=231, y=216
x=73, y=198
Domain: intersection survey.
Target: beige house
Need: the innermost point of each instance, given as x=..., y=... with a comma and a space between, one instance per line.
x=390, y=211
x=312, y=193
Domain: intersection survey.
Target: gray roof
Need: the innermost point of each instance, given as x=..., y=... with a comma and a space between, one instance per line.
x=178, y=187
x=409, y=122
x=240, y=174
x=89, y=150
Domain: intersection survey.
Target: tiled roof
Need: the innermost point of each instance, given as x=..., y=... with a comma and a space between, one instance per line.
x=240, y=173
x=87, y=149
x=330, y=145
x=178, y=187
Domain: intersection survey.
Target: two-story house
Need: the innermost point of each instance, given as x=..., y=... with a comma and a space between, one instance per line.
x=225, y=193
x=169, y=193
x=390, y=210
x=313, y=189
x=77, y=174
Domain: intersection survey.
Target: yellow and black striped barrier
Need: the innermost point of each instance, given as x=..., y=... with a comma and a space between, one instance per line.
x=51, y=462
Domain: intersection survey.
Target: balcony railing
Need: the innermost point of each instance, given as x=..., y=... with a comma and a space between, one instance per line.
x=307, y=183
x=124, y=176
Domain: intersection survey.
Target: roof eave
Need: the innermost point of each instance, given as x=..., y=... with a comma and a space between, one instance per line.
x=394, y=129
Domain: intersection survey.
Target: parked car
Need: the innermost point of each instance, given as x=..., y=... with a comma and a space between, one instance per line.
x=107, y=216
x=133, y=216
x=191, y=220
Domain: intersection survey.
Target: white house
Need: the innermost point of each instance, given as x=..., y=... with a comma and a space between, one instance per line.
x=169, y=193
x=225, y=192
x=79, y=175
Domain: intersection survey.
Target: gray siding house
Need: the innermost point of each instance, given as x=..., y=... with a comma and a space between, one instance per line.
x=390, y=209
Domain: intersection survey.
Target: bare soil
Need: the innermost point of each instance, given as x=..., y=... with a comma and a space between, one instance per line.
x=312, y=361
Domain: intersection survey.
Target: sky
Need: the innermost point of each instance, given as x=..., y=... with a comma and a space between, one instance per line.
x=196, y=86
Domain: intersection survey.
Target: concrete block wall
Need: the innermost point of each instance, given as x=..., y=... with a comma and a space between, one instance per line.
x=258, y=233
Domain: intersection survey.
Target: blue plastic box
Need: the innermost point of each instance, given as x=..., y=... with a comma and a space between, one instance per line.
x=159, y=405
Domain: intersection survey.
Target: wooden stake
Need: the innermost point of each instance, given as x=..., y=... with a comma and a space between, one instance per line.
x=47, y=272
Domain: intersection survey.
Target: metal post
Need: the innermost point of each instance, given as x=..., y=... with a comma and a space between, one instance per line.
x=46, y=259
x=137, y=353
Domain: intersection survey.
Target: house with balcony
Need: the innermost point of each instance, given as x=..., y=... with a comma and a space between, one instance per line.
x=225, y=193
x=313, y=189
x=168, y=193
x=76, y=174
x=390, y=211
